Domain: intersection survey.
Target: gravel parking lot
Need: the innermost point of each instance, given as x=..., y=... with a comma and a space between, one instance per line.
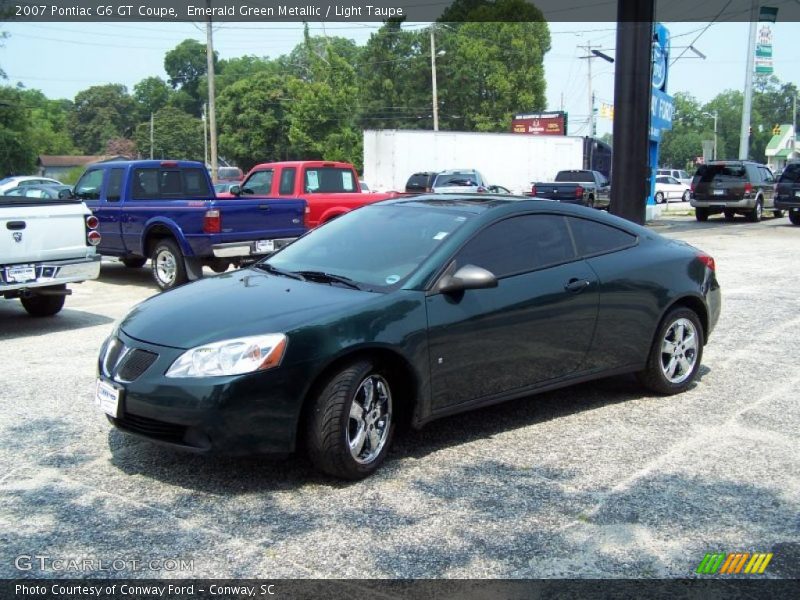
x=599, y=480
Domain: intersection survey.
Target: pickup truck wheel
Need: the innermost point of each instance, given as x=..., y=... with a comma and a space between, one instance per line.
x=659, y=198
x=351, y=423
x=754, y=216
x=794, y=217
x=134, y=262
x=169, y=271
x=44, y=306
x=701, y=214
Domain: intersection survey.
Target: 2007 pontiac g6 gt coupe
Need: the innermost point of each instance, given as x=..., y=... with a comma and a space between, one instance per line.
x=409, y=309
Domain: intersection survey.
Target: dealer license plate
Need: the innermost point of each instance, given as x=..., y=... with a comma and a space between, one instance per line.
x=718, y=192
x=107, y=398
x=265, y=246
x=20, y=274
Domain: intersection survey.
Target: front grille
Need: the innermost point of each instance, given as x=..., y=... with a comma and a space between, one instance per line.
x=167, y=432
x=134, y=364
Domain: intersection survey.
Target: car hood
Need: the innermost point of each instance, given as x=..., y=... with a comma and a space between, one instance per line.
x=236, y=304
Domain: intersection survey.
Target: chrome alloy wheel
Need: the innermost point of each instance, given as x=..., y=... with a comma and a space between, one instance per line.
x=679, y=351
x=370, y=419
x=166, y=267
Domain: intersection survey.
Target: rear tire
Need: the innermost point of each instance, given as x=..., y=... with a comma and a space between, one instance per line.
x=167, y=262
x=794, y=217
x=754, y=216
x=686, y=196
x=701, y=214
x=675, y=355
x=351, y=423
x=135, y=262
x=659, y=198
x=44, y=306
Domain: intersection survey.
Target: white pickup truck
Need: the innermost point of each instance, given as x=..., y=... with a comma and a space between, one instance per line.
x=44, y=245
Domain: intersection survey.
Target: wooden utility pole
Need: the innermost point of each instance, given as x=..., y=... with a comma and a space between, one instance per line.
x=212, y=111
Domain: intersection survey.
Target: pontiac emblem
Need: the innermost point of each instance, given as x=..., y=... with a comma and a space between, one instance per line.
x=17, y=236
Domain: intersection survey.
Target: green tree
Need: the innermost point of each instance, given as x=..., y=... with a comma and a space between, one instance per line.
x=681, y=145
x=17, y=153
x=151, y=95
x=48, y=123
x=100, y=113
x=176, y=135
x=252, y=119
x=236, y=69
x=186, y=65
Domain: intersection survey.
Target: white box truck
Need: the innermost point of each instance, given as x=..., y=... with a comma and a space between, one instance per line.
x=512, y=160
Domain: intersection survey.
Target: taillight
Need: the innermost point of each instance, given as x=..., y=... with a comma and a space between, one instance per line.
x=579, y=192
x=707, y=261
x=481, y=189
x=533, y=190
x=748, y=187
x=691, y=187
x=93, y=236
x=305, y=218
x=212, y=222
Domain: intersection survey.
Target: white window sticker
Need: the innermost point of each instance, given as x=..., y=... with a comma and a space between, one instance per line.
x=313, y=181
x=347, y=181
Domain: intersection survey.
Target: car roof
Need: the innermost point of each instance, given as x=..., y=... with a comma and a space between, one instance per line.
x=457, y=171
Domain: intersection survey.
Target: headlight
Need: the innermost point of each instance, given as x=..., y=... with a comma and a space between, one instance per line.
x=231, y=357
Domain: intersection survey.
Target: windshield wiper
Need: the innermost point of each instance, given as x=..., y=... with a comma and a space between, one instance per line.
x=330, y=278
x=276, y=271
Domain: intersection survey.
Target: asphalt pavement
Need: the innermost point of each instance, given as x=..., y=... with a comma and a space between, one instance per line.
x=599, y=480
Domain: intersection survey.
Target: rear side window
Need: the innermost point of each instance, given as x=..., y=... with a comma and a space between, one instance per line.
x=519, y=244
x=287, y=181
x=169, y=184
x=329, y=180
x=195, y=183
x=88, y=186
x=593, y=238
x=114, y=189
x=791, y=174
x=766, y=175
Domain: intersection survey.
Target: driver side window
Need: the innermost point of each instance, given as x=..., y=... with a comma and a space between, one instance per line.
x=88, y=186
x=260, y=183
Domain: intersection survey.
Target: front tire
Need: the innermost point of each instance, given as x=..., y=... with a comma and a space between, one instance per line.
x=686, y=196
x=351, y=423
x=675, y=354
x=701, y=214
x=44, y=306
x=659, y=198
x=169, y=269
x=754, y=216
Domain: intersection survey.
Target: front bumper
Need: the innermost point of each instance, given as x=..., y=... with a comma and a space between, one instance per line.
x=253, y=248
x=50, y=273
x=256, y=413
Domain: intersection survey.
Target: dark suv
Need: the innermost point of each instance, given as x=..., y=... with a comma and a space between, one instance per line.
x=421, y=183
x=731, y=187
x=787, y=192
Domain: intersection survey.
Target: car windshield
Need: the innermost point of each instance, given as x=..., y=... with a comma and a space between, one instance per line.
x=376, y=247
x=455, y=179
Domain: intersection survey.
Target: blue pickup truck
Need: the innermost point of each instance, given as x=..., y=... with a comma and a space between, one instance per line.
x=167, y=211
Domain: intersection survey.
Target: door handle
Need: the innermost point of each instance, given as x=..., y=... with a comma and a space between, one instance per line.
x=264, y=207
x=15, y=225
x=576, y=285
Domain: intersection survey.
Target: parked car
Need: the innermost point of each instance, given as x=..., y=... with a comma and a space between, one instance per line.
x=365, y=189
x=733, y=187
x=576, y=186
x=45, y=244
x=682, y=176
x=787, y=192
x=459, y=181
x=167, y=211
x=668, y=188
x=421, y=182
x=225, y=187
x=51, y=192
x=330, y=189
x=229, y=175
x=25, y=180
x=409, y=309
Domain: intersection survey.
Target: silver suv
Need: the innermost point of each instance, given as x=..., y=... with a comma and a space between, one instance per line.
x=456, y=181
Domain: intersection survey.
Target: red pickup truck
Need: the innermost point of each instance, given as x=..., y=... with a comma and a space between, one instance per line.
x=329, y=188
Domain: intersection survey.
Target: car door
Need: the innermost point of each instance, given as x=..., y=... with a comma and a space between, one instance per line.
x=603, y=190
x=767, y=186
x=535, y=326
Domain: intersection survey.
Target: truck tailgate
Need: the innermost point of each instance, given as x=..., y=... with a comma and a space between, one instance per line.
x=40, y=231
x=557, y=191
x=256, y=218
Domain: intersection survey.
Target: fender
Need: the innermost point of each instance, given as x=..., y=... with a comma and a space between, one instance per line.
x=173, y=228
x=332, y=213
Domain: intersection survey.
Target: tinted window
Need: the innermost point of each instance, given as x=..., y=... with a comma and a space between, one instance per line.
x=457, y=179
x=518, y=245
x=287, y=181
x=710, y=172
x=195, y=183
x=114, y=190
x=145, y=184
x=419, y=182
x=592, y=237
x=791, y=174
x=229, y=173
x=329, y=180
x=88, y=186
x=574, y=176
x=259, y=183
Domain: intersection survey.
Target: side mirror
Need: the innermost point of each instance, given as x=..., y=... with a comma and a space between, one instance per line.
x=65, y=195
x=235, y=190
x=468, y=277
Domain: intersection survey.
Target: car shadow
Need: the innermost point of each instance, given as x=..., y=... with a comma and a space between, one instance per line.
x=15, y=322
x=242, y=475
x=116, y=273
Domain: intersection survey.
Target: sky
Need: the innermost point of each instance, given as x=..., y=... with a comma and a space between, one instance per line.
x=61, y=59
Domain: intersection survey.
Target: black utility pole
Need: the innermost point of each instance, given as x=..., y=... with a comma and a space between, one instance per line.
x=630, y=173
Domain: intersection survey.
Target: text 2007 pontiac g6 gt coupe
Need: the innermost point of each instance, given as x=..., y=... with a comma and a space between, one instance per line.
x=407, y=309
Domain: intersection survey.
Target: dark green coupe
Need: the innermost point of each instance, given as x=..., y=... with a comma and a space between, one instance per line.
x=409, y=309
